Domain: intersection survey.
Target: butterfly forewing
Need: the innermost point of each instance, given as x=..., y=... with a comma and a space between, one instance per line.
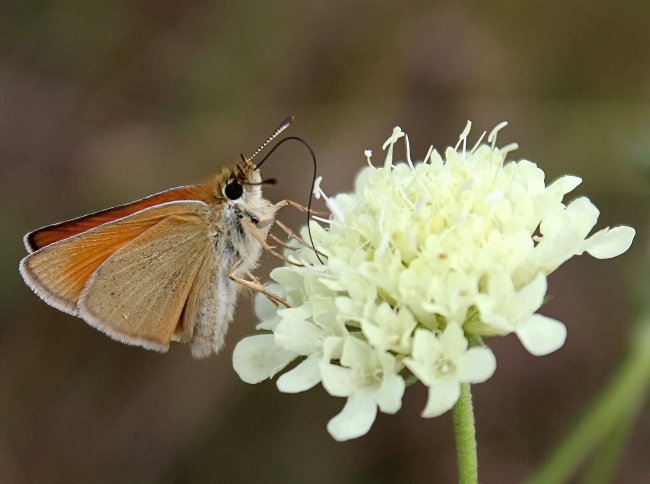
x=54, y=233
x=138, y=294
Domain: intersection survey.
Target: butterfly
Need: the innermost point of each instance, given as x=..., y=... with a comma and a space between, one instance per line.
x=161, y=269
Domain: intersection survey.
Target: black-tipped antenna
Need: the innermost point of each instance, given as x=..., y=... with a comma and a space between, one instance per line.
x=283, y=125
x=313, y=180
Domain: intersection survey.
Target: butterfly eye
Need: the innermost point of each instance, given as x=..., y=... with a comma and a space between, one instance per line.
x=233, y=190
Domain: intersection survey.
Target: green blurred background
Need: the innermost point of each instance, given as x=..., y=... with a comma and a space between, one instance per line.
x=102, y=103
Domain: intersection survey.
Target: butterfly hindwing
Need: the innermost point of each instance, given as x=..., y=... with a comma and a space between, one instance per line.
x=138, y=294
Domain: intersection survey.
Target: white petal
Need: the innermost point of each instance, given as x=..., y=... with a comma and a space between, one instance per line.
x=453, y=340
x=477, y=365
x=422, y=370
x=302, y=311
x=333, y=284
x=424, y=343
x=356, y=352
x=265, y=309
x=375, y=335
x=606, y=244
x=389, y=396
x=332, y=348
x=287, y=277
x=355, y=419
x=562, y=186
x=346, y=306
x=337, y=380
x=531, y=296
x=257, y=358
x=541, y=335
x=582, y=214
x=441, y=398
x=500, y=285
x=298, y=336
x=303, y=377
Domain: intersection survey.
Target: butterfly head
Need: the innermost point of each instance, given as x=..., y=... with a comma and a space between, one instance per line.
x=238, y=191
x=241, y=183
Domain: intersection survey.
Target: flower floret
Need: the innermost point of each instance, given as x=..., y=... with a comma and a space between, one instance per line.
x=443, y=361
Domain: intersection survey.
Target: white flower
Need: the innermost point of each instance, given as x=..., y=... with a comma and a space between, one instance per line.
x=442, y=362
x=306, y=338
x=514, y=311
x=418, y=260
x=389, y=329
x=368, y=378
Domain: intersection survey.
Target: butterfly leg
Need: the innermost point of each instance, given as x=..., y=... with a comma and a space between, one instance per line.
x=284, y=203
x=287, y=230
x=283, y=244
x=265, y=244
x=255, y=286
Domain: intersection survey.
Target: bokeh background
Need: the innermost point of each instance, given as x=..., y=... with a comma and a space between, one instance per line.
x=102, y=103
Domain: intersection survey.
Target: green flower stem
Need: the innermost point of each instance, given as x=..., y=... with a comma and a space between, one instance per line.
x=612, y=409
x=465, y=437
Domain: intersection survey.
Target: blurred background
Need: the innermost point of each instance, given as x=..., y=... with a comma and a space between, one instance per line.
x=102, y=103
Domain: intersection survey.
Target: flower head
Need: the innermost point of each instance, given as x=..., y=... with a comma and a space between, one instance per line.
x=419, y=262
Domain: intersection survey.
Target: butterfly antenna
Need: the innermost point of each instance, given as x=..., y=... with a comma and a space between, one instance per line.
x=283, y=125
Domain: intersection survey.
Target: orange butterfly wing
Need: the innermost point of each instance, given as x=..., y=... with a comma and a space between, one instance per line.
x=58, y=272
x=54, y=233
x=138, y=294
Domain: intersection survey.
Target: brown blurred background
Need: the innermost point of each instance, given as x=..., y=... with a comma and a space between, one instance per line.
x=102, y=103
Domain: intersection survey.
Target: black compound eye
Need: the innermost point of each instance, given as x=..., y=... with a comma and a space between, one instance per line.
x=233, y=190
